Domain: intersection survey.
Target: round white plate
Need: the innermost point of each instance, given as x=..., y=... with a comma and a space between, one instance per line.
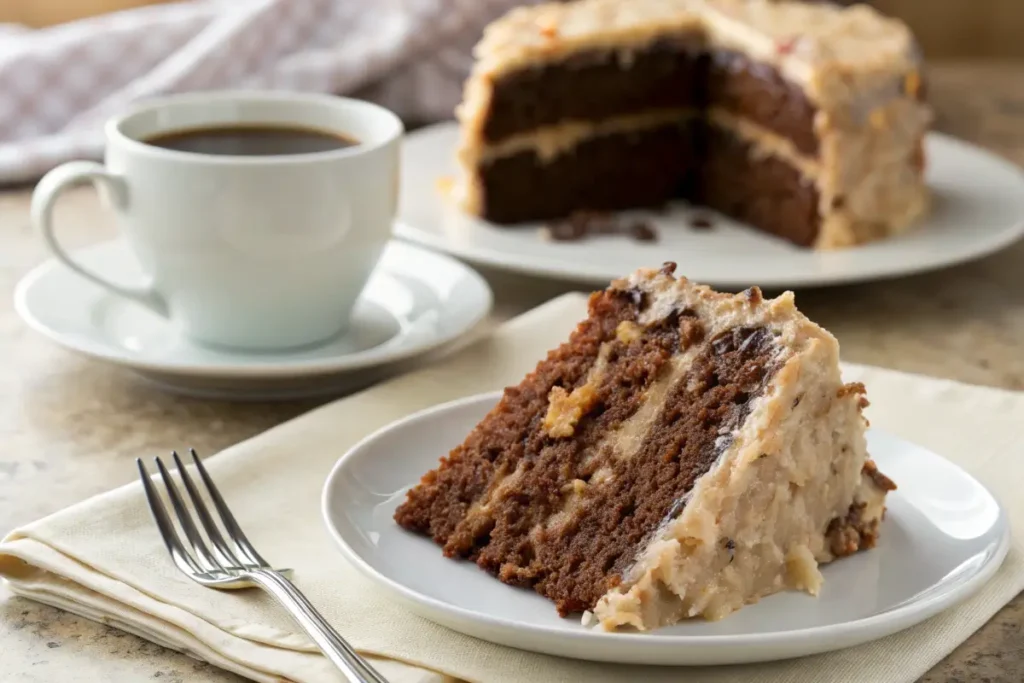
x=978, y=209
x=416, y=300
x=943, y=537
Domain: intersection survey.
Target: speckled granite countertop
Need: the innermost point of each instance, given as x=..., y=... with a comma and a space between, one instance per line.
x=70, y=427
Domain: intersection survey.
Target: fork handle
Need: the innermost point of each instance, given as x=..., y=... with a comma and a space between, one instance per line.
x=330, y=642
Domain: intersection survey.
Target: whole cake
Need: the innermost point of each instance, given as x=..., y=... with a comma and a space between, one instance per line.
x=805, y=120
x=683, y=454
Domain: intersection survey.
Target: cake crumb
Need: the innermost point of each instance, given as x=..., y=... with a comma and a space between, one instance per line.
x=691, y=331
x=754, y=295
x=880, y=480
x=577, y=226
x=701, y=222
x=628, y=331
x=445, y=184
x=851, y=388
x=576, y=487
x=582, y=224
x=565, y=409
x=802, y=570
x=642, y=231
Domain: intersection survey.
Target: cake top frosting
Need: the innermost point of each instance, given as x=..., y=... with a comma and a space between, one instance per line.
x=666, y=293
x=804, y=40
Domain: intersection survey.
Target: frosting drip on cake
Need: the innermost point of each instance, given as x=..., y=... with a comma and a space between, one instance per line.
x=549, y=142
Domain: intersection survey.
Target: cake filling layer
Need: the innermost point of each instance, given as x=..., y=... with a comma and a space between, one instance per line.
x=750, y=180
x=551, y=141
x=763, y=142
x=596, y=84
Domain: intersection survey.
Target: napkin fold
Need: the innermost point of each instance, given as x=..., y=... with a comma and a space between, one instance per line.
x=103, y=558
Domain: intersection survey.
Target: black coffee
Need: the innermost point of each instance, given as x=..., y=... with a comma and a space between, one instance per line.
x=251, y=141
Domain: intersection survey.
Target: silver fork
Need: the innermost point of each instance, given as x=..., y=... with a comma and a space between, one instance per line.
x=233, y=562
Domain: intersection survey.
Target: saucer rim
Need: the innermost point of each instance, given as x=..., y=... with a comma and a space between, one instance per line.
x=98, y=349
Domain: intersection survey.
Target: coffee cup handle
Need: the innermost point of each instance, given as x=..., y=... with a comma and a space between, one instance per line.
x=45, y=197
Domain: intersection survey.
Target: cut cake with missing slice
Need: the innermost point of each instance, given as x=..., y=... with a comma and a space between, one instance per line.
x=805, y=120
x=685, y=453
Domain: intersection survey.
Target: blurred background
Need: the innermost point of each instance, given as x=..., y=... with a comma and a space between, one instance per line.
x=963, y=29
x=68, y=65
x=948, y=29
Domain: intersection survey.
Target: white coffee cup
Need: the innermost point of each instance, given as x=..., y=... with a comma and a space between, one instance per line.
x=251, y=252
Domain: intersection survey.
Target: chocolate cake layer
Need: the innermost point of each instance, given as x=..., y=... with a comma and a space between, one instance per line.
x=760, y=94
x=566, y=514
x=761, y=190
x=692, y=160
x=618, y=171
x=494, y=449
x=598, y=84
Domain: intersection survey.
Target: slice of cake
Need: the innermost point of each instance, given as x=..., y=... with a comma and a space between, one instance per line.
x=805, y=120
x=683, y=454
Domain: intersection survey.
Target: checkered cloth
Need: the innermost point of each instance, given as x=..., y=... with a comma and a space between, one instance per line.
x=58, y=85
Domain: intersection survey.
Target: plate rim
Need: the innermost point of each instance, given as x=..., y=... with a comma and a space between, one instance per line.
x=282, y=368
x=814, y=639
x=546, y=266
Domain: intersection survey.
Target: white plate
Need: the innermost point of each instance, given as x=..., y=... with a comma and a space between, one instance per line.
x=943, y=537
x=416, y=300
x=978, y=209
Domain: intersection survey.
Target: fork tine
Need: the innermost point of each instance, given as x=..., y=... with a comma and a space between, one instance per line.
x=171, y=539
x=213, y=533
x=185, y=519
x=235, y=532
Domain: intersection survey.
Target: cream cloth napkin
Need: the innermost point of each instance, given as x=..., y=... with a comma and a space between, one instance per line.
x=103, y=558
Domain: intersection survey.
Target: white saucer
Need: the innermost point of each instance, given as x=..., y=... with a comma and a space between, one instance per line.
x=417, y=300
x=943, y=537
x=978, y=209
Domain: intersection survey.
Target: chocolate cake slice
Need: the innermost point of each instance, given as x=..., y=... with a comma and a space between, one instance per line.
x=683, y=454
